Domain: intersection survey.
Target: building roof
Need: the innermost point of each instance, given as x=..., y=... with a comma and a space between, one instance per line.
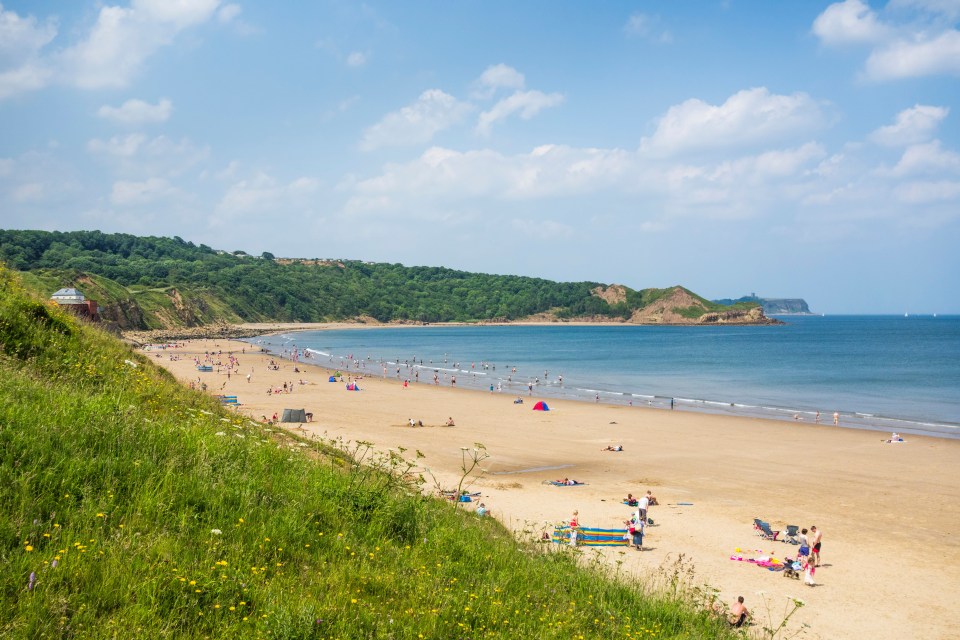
x=67, y=293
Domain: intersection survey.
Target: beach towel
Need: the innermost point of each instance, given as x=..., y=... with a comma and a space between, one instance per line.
x=591, y=536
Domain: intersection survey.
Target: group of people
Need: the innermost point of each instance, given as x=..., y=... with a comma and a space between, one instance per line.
x=808, y=555
x=637, y=523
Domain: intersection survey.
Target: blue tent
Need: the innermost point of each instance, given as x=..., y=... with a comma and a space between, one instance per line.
x=333, y=379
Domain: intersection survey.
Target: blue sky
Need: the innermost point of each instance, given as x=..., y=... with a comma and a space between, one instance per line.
x=795, y=149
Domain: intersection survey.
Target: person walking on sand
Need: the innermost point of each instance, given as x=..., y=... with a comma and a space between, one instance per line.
x=836, y=417
x=815, y=536
x=574, y=528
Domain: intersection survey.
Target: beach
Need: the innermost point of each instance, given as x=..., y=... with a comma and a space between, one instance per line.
x=888, y=512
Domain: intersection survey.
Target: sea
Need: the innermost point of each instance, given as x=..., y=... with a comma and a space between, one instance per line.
x=886, y=373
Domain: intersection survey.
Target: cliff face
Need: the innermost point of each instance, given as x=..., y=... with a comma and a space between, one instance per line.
x=774, y=306
x=777, y=306
x=679, y=307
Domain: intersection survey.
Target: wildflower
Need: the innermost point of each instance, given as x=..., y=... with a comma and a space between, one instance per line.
x=28, y=548
x=216, y=532
x=100, y=515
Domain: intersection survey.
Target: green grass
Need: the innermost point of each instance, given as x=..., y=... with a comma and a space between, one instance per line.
x=142, y=508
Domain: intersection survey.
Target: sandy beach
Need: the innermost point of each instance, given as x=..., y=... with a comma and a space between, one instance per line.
x=889, y=513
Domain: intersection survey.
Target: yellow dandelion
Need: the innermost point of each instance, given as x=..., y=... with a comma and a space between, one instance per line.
x=28, y=548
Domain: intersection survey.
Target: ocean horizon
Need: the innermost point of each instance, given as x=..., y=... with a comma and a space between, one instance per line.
x=881, y=372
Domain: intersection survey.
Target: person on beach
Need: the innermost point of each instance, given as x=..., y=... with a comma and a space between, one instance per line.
x=630, y=500
x=809, y=569
x=574, y=528
x=642, y=504
x=482, y=510
x=449, y=422
x=816, y=535
x=610, y=447
x=804, y=549
x=738, y=613
x=651, y=499
x=836, y=417
x=639, y=523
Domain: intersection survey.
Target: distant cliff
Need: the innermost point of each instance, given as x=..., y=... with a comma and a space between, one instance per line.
x=774, y=306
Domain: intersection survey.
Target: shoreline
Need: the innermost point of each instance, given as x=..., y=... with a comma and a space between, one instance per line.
x=801, y=415
x=867, y=497
x=254, y=329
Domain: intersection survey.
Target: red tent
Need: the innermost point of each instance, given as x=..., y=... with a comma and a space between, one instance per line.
x=541, y=406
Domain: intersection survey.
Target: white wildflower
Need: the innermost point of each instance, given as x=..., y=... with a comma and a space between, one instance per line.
x=220, y=433
x=216, y=532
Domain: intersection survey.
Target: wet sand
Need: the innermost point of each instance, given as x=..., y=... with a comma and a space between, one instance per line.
x=888, y=513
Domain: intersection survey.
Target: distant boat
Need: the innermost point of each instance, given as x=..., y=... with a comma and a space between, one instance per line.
x=906, y=315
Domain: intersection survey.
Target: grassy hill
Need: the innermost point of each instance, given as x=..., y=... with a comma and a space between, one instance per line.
x=132, y=506
x=152, y=283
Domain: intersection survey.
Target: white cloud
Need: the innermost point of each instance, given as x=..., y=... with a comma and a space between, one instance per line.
x=228, y=12
x=849, y=22
x=27, y=77
x=181, y=13
x=498, y=76
x=647, y=27
x=123, y=38
x=21, y=42
x=136, y=112
x=526, y=103
x=939, y=55
x=22, y=38
x=913, y=125
x=264, y=195
x=28, y=192
x=118, y=146
x=131, y=193
x=357, y=59
x=433, y=112
x=922, y=45
x=138, y=155
x=921, y=193
x=748, y=117
x=927, y=158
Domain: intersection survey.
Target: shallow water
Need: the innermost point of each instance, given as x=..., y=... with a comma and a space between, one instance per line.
x=883, y=372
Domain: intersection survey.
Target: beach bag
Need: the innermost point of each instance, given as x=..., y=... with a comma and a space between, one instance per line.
x=632, y=529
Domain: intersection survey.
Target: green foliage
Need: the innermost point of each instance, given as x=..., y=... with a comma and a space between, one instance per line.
x=234, y=286
x=131, y=506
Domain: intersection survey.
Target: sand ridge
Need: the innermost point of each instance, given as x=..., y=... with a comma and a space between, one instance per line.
x=888, y=512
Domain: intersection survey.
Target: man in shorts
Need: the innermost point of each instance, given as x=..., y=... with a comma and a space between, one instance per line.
x=815, y=536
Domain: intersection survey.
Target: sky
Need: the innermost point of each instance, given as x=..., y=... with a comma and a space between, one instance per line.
x=789, y=149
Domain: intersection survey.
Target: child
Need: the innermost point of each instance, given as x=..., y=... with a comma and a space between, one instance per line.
x=809, y=569
x=574, y=526
x=804, y=549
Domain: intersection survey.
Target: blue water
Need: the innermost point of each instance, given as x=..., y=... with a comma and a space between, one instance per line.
x=881, y=372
